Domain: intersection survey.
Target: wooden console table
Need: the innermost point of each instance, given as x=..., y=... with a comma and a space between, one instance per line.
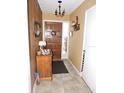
x=44, y=66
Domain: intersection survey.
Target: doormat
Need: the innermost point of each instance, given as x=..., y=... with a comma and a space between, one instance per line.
x=58, y=67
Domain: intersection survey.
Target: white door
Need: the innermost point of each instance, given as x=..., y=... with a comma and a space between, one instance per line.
x=89, y=47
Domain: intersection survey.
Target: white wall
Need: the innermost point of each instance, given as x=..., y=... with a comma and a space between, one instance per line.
x=14, y=48
x=89, y=69
x=110, y=46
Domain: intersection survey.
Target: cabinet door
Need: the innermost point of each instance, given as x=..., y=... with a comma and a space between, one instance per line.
x=44, y=66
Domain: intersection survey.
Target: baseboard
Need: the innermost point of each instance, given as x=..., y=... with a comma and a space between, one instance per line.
x=74, y=67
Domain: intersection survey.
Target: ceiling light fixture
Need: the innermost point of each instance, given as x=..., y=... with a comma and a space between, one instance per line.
x=59, y=13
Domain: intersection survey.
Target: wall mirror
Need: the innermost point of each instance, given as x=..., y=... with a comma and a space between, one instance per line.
x=37, y=29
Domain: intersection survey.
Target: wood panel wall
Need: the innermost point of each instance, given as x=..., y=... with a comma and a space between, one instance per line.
x=34, y=14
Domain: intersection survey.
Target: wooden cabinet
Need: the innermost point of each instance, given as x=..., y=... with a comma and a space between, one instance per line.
x=44, y=66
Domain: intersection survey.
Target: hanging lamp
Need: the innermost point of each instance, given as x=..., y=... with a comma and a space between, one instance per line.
x=59, y=12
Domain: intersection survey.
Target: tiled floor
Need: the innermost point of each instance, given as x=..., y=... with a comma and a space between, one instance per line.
x=64, y=83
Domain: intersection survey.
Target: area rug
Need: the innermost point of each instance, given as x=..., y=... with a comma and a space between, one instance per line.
x=58, y=67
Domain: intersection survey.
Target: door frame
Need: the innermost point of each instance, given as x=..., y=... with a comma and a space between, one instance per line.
x=89, y=46
x=43, y=35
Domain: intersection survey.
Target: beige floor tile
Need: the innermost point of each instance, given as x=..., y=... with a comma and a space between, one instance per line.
x=64, y=83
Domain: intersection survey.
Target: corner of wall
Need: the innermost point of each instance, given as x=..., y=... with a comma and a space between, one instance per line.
x=78, y=72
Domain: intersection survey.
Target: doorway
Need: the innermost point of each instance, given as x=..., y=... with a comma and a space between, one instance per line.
x=53, y=37
x=89, y=45
x=64, y=38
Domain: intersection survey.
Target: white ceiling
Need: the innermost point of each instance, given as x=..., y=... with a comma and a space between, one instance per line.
x=51, y=5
